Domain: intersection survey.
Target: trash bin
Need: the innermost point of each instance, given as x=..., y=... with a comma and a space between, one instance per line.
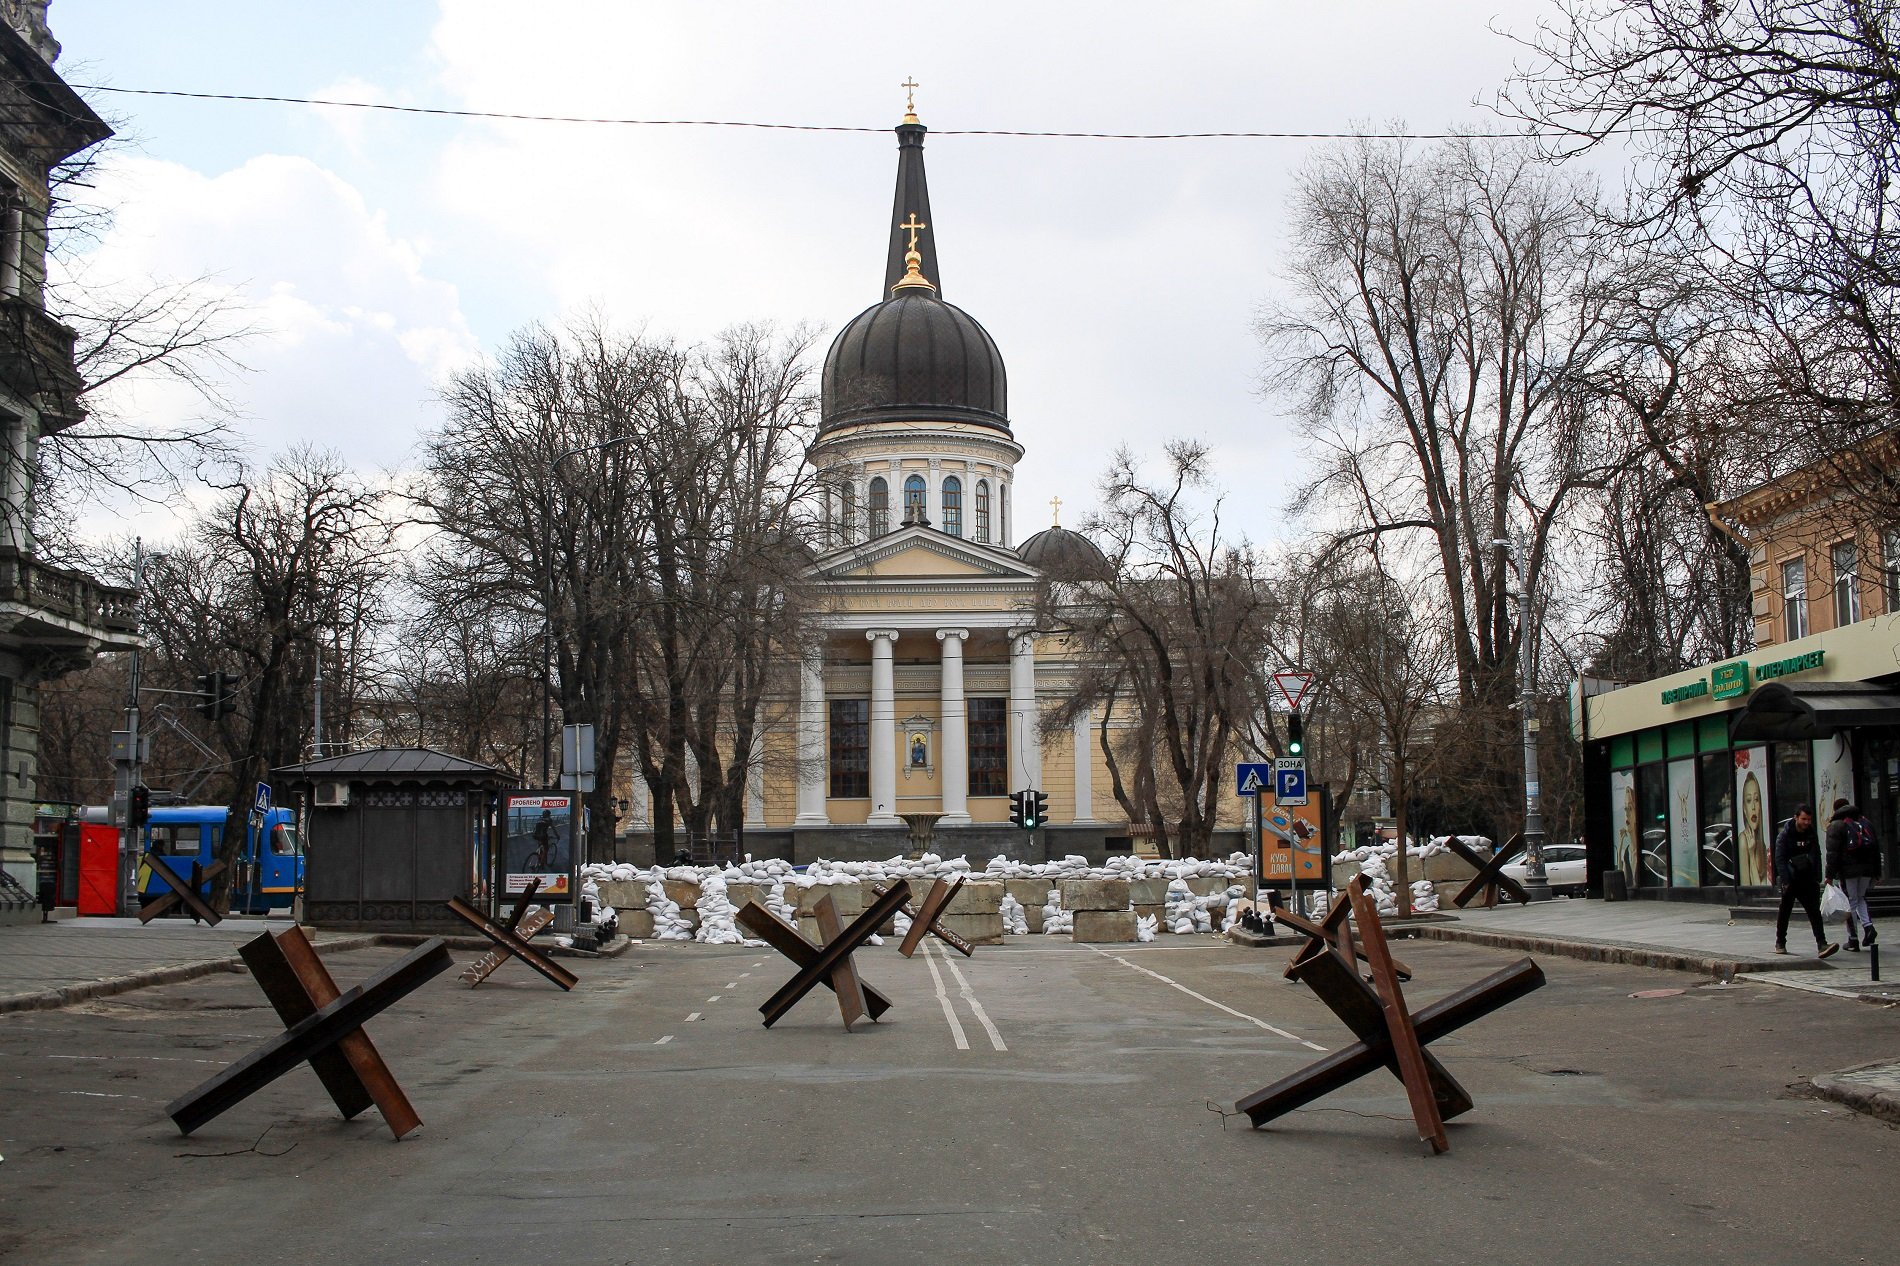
x=1615, y=886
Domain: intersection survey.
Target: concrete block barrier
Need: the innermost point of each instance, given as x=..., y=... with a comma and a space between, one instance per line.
x=978, y=929
x=623, y=895
x=683, y=892
x=636, y=923
x=1104, y=927
x=741, y=893
x=977, y=896
x=1147, y=892
x=1096, y=894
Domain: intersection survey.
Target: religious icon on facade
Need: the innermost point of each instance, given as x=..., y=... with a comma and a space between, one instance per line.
x=919, y=749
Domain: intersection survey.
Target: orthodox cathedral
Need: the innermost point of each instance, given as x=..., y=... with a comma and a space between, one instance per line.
x=924, y=691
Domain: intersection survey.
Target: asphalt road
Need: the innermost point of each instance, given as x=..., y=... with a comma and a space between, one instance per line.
x=1041, y=1103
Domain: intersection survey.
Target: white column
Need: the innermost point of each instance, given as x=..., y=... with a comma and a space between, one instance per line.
x=755, y=780
x=883, y=729
x=1084, y=734
x=953, y=758
x=1025, y=745
x=811, y=741
x=933, y=493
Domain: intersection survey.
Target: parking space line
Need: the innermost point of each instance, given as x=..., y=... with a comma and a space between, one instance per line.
x=943, y=998
x=1218, y=1006
x=969, y=996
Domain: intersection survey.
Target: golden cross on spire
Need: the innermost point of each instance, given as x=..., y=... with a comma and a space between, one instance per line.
x=914, y=225
x=910, y=100
x=1055, y=511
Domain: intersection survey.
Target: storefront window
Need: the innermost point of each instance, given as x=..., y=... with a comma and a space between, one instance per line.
x=1794, y=782
x=1685, y=870
x=1652, y=815
x=1720, y=858
x=1846, y=559
x=1794, y=599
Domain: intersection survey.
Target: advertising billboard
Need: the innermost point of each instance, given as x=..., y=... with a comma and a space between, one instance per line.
x=537, y=831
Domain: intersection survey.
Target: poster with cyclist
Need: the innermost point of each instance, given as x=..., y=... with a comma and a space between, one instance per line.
x=537, y=832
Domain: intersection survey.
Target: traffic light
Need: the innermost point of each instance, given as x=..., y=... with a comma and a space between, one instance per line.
x=216, y=695
x=1018, y=807
x=1295, y=735
x=1038, y=810
x=138, y=806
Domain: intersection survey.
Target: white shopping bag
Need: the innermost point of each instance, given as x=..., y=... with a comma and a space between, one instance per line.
x=1833, y=902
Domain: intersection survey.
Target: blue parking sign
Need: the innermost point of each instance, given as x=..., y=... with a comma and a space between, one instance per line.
x=1289, y=781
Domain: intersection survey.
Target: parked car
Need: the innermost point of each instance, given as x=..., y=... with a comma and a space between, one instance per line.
x=1563, y=869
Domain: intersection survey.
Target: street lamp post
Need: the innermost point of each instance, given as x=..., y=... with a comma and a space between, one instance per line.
x=1536, y=881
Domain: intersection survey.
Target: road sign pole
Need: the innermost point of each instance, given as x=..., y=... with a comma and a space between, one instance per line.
x=1259, y=851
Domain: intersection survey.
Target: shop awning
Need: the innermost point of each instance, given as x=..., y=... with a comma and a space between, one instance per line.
x=1812, y=710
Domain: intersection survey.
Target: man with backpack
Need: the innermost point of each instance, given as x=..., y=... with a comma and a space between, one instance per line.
x=1853, y=861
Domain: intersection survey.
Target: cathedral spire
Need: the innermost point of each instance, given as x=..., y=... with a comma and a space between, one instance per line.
x=912, y=204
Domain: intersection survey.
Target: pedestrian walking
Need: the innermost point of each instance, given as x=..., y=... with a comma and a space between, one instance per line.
x=1798, y=871
x=1853, y=862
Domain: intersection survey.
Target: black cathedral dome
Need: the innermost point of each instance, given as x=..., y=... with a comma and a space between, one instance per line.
x=913, y=357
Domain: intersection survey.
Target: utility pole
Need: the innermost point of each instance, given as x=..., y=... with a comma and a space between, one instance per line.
x=1536, y=881
x=316, y=736
x=128, y=749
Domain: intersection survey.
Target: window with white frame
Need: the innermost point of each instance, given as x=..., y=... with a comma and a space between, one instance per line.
x=953, y=505
x=880, y=506
x=1794, y=599
x=983, y=511
x=1845, y=557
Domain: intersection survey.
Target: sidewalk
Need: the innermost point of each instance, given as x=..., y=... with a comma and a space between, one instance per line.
x=54, y=964
x=1674, y=935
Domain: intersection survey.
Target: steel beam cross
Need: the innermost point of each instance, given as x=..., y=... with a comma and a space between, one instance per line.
x=828, y=964
x=183, y=892
x=511, y=940
x=323, y=1027
x=926, y=919
x=1490, y=877
x=1389, y=1034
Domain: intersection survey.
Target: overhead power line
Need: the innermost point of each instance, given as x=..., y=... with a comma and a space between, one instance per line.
x=443, y=112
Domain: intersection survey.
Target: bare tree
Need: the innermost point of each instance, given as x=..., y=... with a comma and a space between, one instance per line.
x=1169, y=629
x=288, y=564
x=1443, y=304
x=1765, y=136
x=1396, y=664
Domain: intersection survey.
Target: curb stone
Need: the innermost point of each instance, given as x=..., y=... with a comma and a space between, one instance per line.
x=66, y=995
x=1716, y=965
x=1870, y=1088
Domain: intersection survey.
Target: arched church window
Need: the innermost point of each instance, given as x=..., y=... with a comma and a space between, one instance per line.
x=914, y=500
x=1002, y=521
x=848, y=519
x=983, y=511
x=953, y=506
x=880, y=506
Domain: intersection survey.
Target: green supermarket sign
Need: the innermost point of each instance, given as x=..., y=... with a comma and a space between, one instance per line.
x=1726, y=681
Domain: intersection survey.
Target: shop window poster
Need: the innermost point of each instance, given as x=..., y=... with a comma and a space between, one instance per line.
x=1685, y=869
x=1628, y=822
x=1833, y=776
x=1751, y=812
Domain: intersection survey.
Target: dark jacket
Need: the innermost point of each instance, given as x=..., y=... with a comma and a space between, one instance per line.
x=1858, y=868
x=1797, y=855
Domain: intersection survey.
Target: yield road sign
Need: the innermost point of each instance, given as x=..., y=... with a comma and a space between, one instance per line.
x=1252, y=776
x=1289, y=781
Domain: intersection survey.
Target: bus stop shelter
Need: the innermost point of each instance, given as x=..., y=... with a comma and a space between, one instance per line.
x=391, y=834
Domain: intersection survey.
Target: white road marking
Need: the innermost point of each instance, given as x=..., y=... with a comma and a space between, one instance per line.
x=1218, y=1006
x=98, y=1094
x=732, y=984
x=663, y=1041
x=949, y=1012
x=694, y=1016
x=716, y=997
x=743, y=975
x=969, y=996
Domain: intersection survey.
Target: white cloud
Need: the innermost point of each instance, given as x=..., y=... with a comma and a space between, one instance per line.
x=353, y=333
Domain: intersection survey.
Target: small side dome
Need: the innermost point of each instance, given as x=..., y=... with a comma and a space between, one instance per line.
x=1064, y=553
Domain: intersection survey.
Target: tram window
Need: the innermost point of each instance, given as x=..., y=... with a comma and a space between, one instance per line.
x=283, y=841
x=176, y=840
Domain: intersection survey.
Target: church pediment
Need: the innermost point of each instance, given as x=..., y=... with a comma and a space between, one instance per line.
x=921, y=554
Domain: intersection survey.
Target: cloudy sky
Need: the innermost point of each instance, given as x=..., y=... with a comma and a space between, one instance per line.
x=377, y=252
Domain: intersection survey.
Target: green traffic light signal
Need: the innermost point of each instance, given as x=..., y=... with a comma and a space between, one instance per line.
x=1295, y=735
